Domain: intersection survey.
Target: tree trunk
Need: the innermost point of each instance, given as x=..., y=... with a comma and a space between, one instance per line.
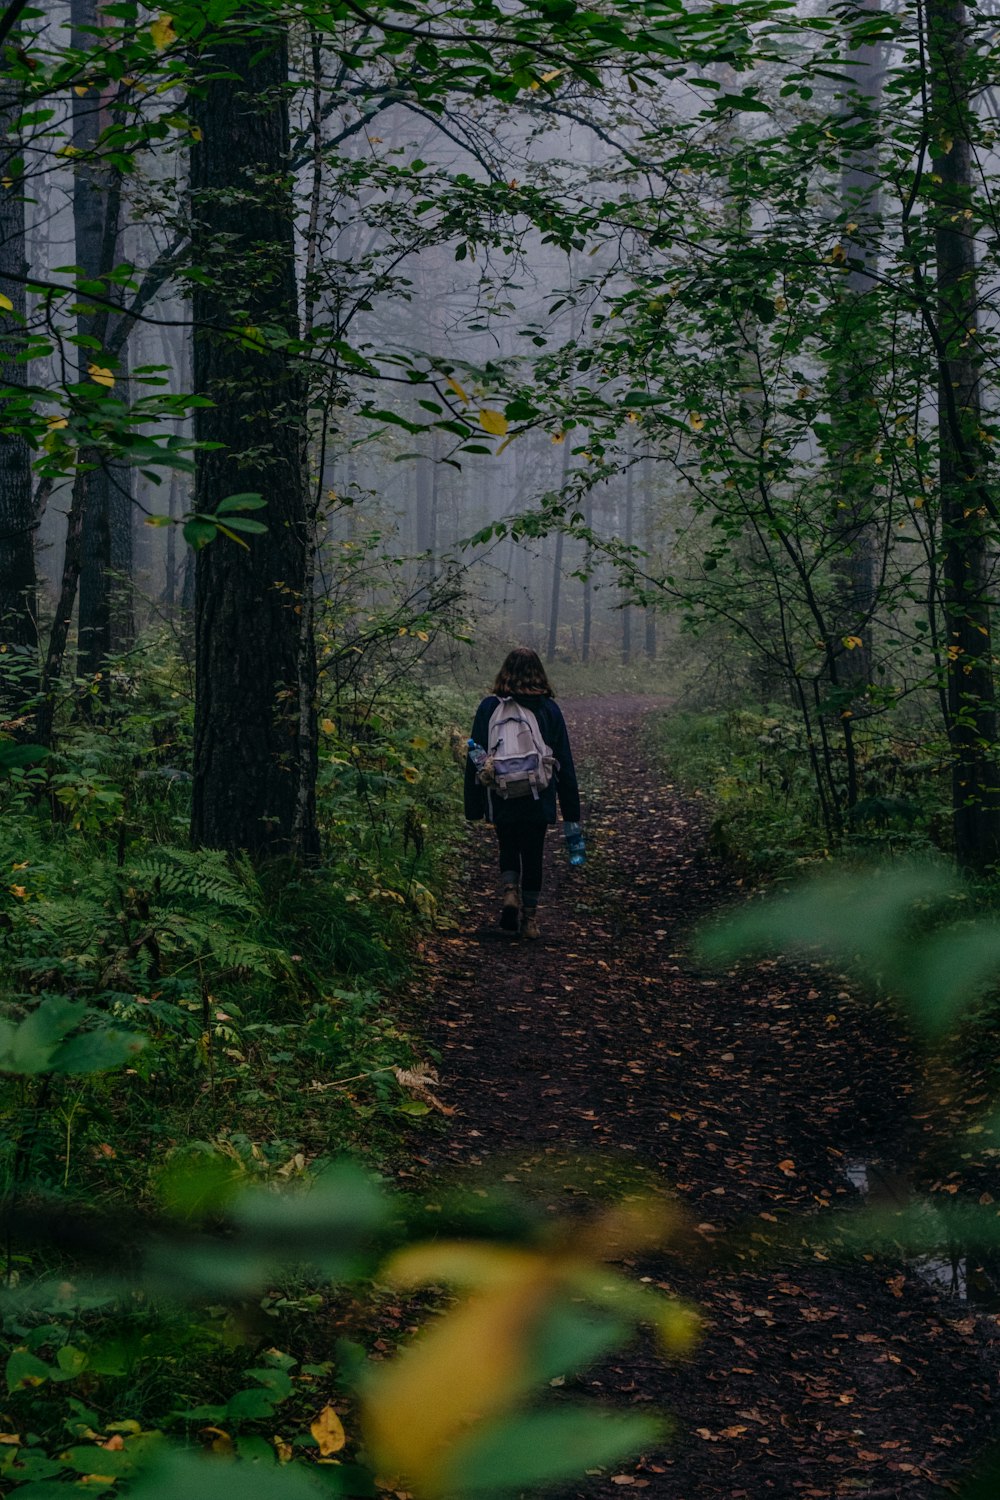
x=588, y=585
x=255, y=719
x=629, y=530
x=557, y=562
x=95, y=241
x=18, y=584
x=170, y=568
x=971, y=696
x=649, y=532
x=854, y=373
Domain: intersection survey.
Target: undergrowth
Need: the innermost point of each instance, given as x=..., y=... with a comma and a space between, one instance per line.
x=170, y=1013
x=258, y=991
x=752, y=767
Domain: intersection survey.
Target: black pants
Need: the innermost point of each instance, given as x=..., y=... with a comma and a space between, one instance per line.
x=521, y=846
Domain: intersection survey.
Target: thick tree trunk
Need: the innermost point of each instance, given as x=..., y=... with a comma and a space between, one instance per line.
x=18, y=585
x=965, y=544
x=255, y=723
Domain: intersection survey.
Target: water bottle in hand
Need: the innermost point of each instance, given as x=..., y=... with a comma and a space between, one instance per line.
x=575, y=846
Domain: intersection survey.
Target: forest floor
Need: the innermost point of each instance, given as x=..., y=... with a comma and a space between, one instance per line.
x=754, y=1097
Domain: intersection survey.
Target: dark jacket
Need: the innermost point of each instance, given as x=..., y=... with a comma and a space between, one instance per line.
x=563, y=784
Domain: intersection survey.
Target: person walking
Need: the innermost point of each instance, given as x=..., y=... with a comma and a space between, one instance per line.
x=517, y=791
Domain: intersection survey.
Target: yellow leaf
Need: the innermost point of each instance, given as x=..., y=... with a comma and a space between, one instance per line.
x=459, y=392
x=411, y=774
x=6, y=303
x=852, y=642
x=196, y=133
x=419, y=743
x=100, y=376
x=553, y=73
x=558, y=437
x=79, y=90
x=328, y=1430
x=493, y=422
x=421, y=635
x=479, y=1361
x=328, y=726
x=470, y=1366
x=53, y=423
x=678, y=1327
x=163, y=33
x=696, y=420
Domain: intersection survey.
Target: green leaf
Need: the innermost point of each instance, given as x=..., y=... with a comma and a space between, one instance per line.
x=36, y=1039
x=243, y=523
x=250, y=501
x=15, y=756
x=25, y=1370
x=188, y=1476
x=97, y=1051
x=541, y=1447
x=250, y=1404
x=71, y=1361
x=199, y=533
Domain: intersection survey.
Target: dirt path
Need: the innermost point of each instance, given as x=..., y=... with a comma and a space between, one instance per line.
x=746, y=1094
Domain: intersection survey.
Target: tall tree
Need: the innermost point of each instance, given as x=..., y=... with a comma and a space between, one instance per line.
x=97, y=202
x=964, y=515
x=853, y=375
x=255, y=726
x=18, y=621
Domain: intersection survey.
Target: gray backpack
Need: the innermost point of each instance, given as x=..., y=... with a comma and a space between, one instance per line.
x=518, y=761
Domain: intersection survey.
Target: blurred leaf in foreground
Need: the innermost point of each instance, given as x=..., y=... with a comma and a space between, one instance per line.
x=443, y=1414
x=892, y=926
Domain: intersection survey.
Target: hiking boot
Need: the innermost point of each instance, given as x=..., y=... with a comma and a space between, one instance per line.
x=529, y=925
x=510, y=909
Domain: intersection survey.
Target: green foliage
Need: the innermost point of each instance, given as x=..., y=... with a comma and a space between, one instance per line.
x=753, y=770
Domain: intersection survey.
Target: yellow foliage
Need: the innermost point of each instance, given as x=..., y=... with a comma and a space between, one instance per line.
x=478, y=1362
x=100, y=376
x=493, y=422
x=328, y=1430
x=163, y=33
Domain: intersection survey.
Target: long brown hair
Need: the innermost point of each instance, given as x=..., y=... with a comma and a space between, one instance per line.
x=522, y=673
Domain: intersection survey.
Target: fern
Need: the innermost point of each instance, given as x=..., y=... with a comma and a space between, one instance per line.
x=198, y=876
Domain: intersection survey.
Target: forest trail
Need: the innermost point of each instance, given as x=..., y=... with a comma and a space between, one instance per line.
x=747, y=1096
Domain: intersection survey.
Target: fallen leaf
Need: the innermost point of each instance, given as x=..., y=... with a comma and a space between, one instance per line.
x=328, y=1430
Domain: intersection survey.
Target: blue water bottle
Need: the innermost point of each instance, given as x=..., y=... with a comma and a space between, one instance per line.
x=477, y=755
x=575, y=846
